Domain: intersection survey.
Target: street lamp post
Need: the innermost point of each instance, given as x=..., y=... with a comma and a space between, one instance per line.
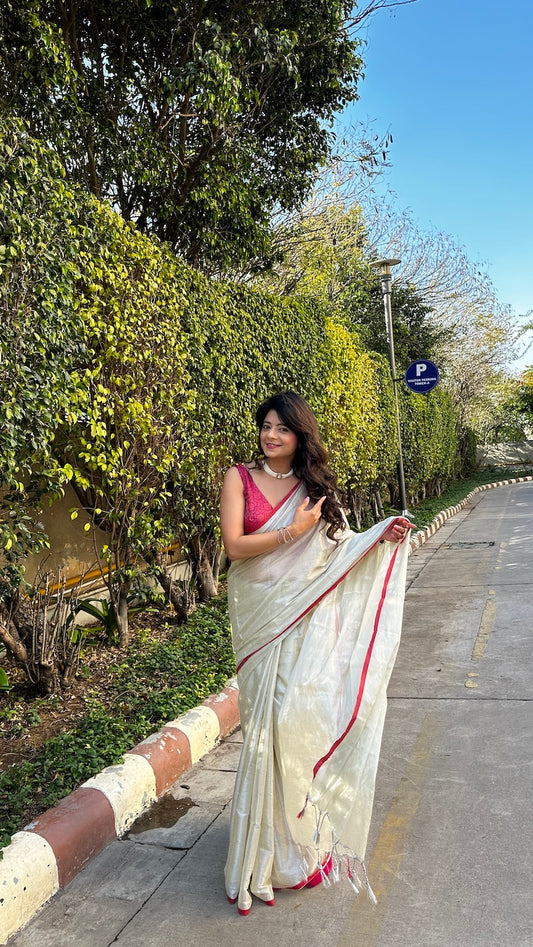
x=384, y=269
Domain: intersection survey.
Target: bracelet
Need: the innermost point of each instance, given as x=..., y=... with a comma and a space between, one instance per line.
x=284, y=536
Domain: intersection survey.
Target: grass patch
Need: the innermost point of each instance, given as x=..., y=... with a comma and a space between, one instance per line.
x=151, y=683
x=426, y=511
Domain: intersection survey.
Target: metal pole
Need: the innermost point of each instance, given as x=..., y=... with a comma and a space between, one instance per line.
x=385, y=276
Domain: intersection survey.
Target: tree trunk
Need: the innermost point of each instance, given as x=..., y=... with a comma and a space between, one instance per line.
x=36, y=636
x=216, y=560
x=375, y=507
x=121, y=611
x=202, y=568
x=47, y=679
x=14, y=646
x=356, y=512
x=68, y=673
x=176, y=597
x=379, y=502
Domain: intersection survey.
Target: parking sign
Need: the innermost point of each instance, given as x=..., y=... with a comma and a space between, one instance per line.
x=422, y=376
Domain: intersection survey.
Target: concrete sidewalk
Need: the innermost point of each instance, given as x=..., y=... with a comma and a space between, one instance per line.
x=449, y=851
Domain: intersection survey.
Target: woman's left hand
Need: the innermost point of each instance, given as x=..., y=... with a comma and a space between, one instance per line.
x=398, y=530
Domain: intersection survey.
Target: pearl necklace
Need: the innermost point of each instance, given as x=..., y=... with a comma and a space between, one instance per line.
x=272, y=473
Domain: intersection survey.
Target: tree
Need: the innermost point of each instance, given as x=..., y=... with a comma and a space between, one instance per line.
x=41, y=346
x=475, y=335
x=415, y=334
x=125, y=446
x=497, y=415
x=474, y=366
x=193, y=117
x=324, y=256
x=458, y=290
x=320, y=253
x=525, y=335
x=91, y=381
x=525, y=400
x=509, y=416
x=41, y=338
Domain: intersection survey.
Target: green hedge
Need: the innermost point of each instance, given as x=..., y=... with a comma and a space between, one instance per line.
x=142, y=376
x=430, y=441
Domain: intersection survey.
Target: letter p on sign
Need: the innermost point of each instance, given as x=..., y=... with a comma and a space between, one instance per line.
x=420, y=368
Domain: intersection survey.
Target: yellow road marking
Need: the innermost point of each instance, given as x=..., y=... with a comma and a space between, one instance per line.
x=486, y=627
x=364, y=921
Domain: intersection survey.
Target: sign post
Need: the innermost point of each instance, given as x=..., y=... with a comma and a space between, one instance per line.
x=384, y=267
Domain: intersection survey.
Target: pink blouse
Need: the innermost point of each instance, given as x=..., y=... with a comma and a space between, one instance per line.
x=257, y=509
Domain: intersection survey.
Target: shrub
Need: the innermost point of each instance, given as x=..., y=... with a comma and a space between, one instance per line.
x=136, y=378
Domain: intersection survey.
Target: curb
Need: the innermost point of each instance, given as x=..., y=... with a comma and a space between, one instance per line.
x=47, y=854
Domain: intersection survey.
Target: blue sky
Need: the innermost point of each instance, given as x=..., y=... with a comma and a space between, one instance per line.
x=452, y=80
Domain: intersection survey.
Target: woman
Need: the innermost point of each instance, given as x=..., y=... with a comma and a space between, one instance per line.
x=316, y=614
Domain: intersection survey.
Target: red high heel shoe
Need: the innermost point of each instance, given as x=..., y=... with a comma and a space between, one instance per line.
x=317, y=875
x=245, y=911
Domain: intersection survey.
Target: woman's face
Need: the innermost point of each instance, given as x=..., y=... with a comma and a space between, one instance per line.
x=277, y=440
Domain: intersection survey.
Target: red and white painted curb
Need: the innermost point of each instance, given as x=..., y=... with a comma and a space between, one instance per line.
x=50, y=851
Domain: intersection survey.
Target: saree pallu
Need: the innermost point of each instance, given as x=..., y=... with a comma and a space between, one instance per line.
x=316, y=627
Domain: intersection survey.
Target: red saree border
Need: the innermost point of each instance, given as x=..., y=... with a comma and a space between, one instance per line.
x=319, y=599
x=364, y=671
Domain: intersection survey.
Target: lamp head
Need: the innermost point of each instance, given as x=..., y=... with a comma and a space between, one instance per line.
x=383, y=266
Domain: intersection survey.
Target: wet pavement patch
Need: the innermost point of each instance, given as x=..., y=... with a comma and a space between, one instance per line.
x=162, y=815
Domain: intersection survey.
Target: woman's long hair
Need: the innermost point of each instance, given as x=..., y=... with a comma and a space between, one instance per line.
x=310, y=460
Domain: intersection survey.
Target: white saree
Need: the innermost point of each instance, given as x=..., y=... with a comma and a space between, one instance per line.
x=316, y=626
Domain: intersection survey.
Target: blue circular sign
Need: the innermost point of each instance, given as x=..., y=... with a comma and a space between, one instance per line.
x=422, y=376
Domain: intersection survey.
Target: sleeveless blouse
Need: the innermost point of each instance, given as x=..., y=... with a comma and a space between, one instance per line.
x=257, y=509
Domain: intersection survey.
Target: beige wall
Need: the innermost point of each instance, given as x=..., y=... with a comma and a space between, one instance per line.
x=72, y=550
x=519, y=453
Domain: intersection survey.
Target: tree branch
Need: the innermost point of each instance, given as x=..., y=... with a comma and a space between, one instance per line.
x=13, y=644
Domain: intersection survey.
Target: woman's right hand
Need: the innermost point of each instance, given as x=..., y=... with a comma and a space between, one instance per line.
x=305, y=519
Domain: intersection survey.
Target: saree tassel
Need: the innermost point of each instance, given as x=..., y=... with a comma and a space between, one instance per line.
x=353, y=884
x=335, y=866
x=368, y=887
x=329, y=868
x=320, y=819
x=302, y=811
x=353, y=876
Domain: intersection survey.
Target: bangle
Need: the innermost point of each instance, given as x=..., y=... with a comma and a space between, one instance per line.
x=284, y=536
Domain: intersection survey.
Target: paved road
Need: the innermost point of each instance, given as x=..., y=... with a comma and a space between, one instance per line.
x=450, y=851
